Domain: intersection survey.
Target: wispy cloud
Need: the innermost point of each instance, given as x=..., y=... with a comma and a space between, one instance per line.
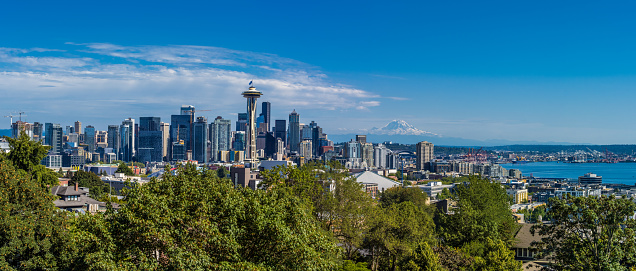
x=99, y=76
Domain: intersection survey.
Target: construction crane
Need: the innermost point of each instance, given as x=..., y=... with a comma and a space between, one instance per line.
x=11, y=119
x=20, y=113
x=191, y=112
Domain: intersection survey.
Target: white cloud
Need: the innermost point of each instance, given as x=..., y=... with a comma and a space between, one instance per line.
x=87, y=79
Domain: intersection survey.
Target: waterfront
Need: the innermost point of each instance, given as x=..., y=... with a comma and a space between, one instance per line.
x=624, y=173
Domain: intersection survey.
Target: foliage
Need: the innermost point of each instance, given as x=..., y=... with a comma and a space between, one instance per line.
x=343, y=211
x=445, y=194
x=27, y=154
x=498, y=257
x=123, y=168
x=423, y=259
x=482, y=212
x=32, y=235
x=196, y=221
x=395, y=233
x=349, y=265
x=589, y=233
x=222, y=172
x=453, y=259
x=97, y=188
x=398, y=194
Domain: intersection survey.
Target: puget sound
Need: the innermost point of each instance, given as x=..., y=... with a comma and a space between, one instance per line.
x=615, y=173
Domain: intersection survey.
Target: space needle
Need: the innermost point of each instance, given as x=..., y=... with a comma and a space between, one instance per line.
x=251, y=95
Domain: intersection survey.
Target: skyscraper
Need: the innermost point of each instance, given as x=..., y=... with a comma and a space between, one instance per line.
x=280, y=130
x=179, y=131
x=200, y=148
x=53, y=137
x=424, y=153
x=127, y=140
x=266, y=113
x=150, y=140
x=294, y=131
x=38, y=130
x=113, y=138
x=78, y=127
x=89, y=138
x=165, y=133
x=220, y=133
x=251, y=95
x=241, y=123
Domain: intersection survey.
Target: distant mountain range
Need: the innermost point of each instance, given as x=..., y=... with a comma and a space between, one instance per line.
x=399, y=131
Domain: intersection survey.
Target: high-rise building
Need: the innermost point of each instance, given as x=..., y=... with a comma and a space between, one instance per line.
x=150, y=140
x=241, y=123
x=294, y=131
x=89, y=138
x=53, y=137
x=238, y=141
x=165, y=139
x=366, y=150
x=200, y=151
x=113, y=138
x=305, y=149
x=38, y=131
x=21, y=126
x=280, y=130
x=250, y=154
x=179, y=131
x=266, y=108
x=361, y=138
x=78, y=127
x=380, y=153
x=424, y=154
x=220, y=133
x=127, y=140
x=187, y=110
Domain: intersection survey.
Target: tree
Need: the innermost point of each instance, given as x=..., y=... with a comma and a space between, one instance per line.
x=395, y=233
x=498, y=257
x=445, y=194
x=195, y=221
x=123, y=168
x=589, y=233
x=482, y=212
x=27, y=154
x=423, y=259
x=398, y=194
x=222, y=172
x=348, y=265
x=97, y=188
x=32, y=230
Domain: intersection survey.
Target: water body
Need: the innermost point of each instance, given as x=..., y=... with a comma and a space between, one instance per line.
x=624, y=173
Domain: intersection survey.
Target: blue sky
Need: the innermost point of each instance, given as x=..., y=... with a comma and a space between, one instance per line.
x=540, y=70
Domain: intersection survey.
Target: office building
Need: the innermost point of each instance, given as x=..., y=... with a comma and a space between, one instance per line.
x=78, y=127
x=380, y=153
x=266, y=114
x=180, y=131
x=238, y=141
x=38, y=131
x=589, y=179
x=127, y=140
x=113, y=138
x=165, y=139
x=280, y=130
x=200, y=148
x=150, y=140
x=241, y=123
x=294, y=132
x=306, y=150
x=53, y=137
x=220, y=136
x=424, y=154
x=361, y=139
x=187, y=110
x=89, y=138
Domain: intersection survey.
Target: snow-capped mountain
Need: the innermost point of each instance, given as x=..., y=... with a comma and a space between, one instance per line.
x=399, y=127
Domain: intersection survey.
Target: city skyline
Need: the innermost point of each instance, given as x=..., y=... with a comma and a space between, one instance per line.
x=520, y=72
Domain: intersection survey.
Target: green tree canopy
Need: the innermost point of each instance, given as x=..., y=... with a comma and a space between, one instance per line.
x=196, y=221
x=97, y=188
x=27, y=154
x=398, y=194
x=589, y=233
x=32, y=230
x=483, y=211
x=123, y=168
